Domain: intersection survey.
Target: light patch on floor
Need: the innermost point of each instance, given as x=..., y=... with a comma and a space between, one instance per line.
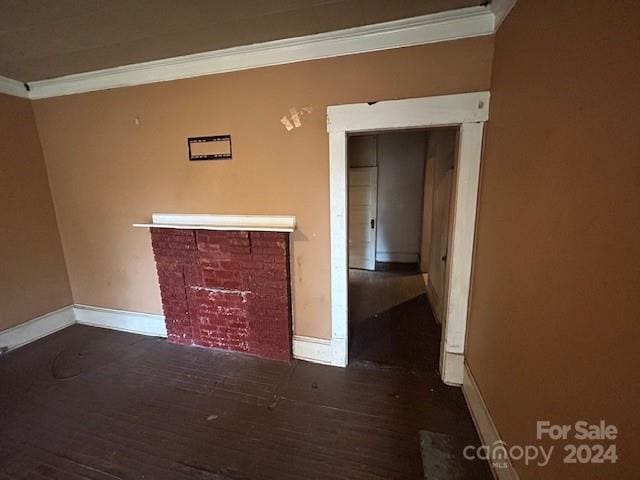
x=371, y=293
x=441, y=457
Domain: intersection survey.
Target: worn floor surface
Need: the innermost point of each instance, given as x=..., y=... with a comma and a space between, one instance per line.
x=371, y=293
x=89, y=403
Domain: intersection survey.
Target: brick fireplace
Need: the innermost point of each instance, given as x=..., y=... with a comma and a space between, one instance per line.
x=226, y=288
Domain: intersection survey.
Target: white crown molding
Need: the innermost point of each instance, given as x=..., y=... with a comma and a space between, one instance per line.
x=36, y=328
x=13, y=87
x=500, y=9
x=437, y=27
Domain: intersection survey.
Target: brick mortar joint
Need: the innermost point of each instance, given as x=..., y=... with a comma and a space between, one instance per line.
x=220, y=290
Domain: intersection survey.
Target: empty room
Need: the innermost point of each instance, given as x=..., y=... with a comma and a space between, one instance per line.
x=316, y=239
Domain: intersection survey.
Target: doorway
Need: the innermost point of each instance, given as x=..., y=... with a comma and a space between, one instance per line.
x=398, y=241
x=385, y=193
x=467, y=112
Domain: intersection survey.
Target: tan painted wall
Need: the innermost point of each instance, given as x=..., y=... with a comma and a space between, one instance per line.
x=107, y=172
x=555, y=303
x=33, y=277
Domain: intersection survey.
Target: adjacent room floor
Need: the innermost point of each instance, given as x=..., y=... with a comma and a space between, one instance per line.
x=391, y=325
x=89, y=403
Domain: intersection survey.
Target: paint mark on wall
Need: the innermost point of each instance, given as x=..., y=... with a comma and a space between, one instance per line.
x=287, y=124
x=294, y=119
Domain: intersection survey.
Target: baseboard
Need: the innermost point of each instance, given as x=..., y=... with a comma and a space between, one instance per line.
x=36, y=328
x=133, y=322
x=319, y=350
x=311, y=349
x=485, y=426
x=397, y=257
x=453, y=369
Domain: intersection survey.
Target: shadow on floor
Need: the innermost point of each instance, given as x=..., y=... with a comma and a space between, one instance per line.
x=405, y=335
x=371, y=293
x=406, y=338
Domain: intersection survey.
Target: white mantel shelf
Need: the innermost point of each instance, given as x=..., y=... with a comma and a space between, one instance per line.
x=253, y=223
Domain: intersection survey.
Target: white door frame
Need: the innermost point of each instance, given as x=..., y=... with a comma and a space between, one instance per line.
x=469, y=111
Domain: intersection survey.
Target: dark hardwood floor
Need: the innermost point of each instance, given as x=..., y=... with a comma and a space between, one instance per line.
x=89, y=403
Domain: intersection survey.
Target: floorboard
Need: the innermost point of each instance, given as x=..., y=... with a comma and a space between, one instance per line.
x=90, y=403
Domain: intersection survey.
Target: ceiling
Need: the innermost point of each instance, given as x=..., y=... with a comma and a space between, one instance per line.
x=42, y=39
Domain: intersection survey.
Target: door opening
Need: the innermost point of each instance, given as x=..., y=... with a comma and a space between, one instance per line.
x=402, y=226
x=466, y=112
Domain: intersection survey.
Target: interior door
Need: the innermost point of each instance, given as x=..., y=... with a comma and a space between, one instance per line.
x=363, y=200
x=440, y=239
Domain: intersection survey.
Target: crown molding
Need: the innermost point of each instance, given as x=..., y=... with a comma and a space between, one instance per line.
x=432, y=28
x=500, y=9
x=13, y=87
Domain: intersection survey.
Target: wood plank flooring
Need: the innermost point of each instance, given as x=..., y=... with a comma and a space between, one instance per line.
x=89, y=403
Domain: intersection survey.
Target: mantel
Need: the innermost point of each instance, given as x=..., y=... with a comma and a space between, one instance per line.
x=256, y=223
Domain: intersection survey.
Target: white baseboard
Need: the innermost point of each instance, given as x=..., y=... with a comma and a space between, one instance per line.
x=485, y=426
x=36, y=328
x=319, y=350
x=134, y=322
x=398, y=257
x=453, y=369
x=311, y=349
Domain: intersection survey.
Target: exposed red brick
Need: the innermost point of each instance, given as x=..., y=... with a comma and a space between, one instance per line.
x=226, y=289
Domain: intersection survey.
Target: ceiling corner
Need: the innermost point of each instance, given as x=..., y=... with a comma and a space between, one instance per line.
x=12, y=87
x=500, y=10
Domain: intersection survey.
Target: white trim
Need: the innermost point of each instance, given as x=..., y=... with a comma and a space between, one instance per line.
x=469, y=111
x=452, y=368
x=462, y=234
x=339, y=244
x=213, y=227
x=409, y=113
x=311, y=349
x=500, y=9
x=431, y=28
x=318, y=350
x=13, y=87
x=260, y=223
x=36, y=328
x=397, y=257
x=134, y=322
x=485, y=426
